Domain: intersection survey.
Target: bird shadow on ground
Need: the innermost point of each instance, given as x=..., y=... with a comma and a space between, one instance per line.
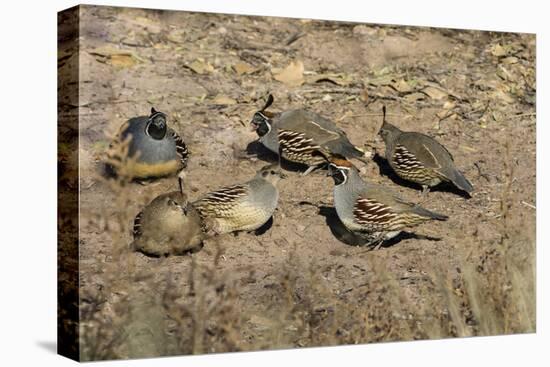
x=259, y=231
x=386, y=170
x=259, y=151
x=264, y=228
x=349, y=238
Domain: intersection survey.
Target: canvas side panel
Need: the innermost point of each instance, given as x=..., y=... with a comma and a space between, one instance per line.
x=68, y=171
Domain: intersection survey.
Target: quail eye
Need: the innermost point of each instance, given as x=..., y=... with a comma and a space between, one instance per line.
x=272, y=172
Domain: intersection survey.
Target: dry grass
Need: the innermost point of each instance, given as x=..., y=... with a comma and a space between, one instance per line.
x=481, y=284
x=134, y=314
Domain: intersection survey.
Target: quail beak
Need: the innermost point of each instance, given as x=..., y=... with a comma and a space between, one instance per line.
x=330, y=171
x=378, y=138
x=253, y=126
x=282, y=175
x=184, y=209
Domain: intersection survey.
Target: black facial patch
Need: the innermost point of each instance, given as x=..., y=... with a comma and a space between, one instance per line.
x=261, y=122
x=339, y=177
x=156, y=126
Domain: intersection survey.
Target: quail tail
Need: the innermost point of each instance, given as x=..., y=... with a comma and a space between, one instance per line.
x=461, y=182
x=349, y=150
x=429, y=214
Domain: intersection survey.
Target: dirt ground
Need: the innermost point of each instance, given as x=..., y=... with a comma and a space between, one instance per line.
x=473, y=91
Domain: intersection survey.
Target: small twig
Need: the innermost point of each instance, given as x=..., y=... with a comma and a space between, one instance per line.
x=334, y=90
x=374, y=114
x=529, y=205
x=295, y=37
x=480, y=173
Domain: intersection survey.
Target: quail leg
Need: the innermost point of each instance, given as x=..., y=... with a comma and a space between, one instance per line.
x=308, y=171
x=425, y=191
x=378, y=242
x=374, y=240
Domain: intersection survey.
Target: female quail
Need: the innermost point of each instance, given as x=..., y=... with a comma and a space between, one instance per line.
x=169, y=225
x=419, y=158
x=302, y=136
x=157, y=150
x=242, y=207
x=372, y=210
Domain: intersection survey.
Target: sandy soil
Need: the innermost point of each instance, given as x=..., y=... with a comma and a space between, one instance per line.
x=473, y=91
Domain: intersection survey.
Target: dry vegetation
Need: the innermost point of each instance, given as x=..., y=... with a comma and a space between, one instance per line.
x=298, y=284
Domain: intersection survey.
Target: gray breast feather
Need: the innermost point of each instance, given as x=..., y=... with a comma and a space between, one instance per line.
x=151, y=150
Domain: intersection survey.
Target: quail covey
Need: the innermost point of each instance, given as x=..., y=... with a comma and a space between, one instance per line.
x=372, y=210
x=303, y=136
x=157, y=149
x=419, y=158
x=169, y=225
x=242, y=207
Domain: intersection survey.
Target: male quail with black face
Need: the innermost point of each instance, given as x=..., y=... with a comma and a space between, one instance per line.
x=421, y=159
x=169, y=225
x=157, y=150
x=372, y=210
x=242, y=207
x=303, y=136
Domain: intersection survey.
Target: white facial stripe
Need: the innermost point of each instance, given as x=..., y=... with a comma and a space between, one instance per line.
x=266, y=120
x=343, y=170
x=339, y=167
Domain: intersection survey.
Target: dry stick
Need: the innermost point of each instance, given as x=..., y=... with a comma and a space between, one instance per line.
x=528, y=205
x=480, y=173
x=294, y=38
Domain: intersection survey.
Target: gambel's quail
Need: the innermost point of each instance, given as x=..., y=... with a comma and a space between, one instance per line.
x=169, y=225
x=242, y=207
x=419, y=158
x=303, y=136
x=372, y=210
x=156, y=149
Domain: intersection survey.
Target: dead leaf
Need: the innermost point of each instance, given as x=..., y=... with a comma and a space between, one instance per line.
x=334, y=78
x=115, y=57
x=449, y=105
x=223, y=100
x=381, y=80
x=402, y=86
x=365, y=95
x=435, y=93
x=413, y=97
x=510, y=60
x=292, y=75
x=175, y=36
x=498, y=51
x=503, y=96
x=200, y=66
x=244, y=68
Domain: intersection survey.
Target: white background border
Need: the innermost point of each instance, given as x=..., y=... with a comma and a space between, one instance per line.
x=28, y=180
